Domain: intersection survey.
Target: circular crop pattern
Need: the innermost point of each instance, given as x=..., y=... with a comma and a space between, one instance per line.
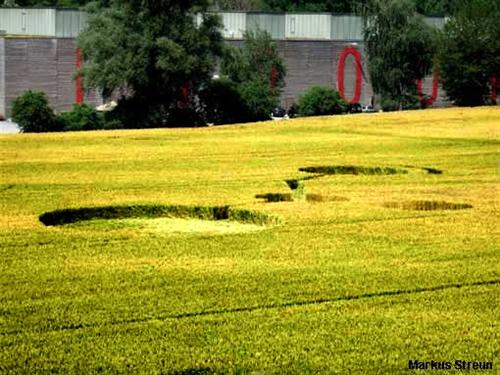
x=352, y=169
x=427, y=205
x=215, y=213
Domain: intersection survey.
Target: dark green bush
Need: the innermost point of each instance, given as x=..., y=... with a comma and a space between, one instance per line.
x=319, y=101
x=31, y=111
x=403, y=102
x=222, y=103
x=135, y=113
x=81, y=117
x=258, y=99
x=184, y=117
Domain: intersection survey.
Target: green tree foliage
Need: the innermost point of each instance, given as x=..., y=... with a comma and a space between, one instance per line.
x=469, y=53
x=243, y=5
x=222, y=102
x=45, y=3
x=81, y=117
x=152, y=51
x=319, y=101
x=426, y=7
x=259, y=73
x=31, y=111
x=335, y=6
x=400, y=49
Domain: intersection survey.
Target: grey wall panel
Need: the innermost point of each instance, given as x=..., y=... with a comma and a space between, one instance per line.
x=347, y=28
x=2, y=77
x=66, y=68
x=28, y=21
x=308, y=64
x=274, y=24
x=314, y=26
x=66, y=73
x=47, y=65
x=69, y=23
x=234, y=24
x=30, y=65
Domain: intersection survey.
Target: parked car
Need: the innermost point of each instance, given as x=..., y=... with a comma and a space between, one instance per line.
x=368, y=109
x=355, y=108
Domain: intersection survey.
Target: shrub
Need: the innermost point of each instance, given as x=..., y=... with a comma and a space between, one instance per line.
x=222, y=103
x=81, y=117
x=31, y=111
x=319, y=101
x=135, y=113
x=258, y=99
x=403, y=102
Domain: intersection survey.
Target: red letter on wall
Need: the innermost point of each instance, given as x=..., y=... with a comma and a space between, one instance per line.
x=79, y=78
x=435, y=82
x=359, y=73
x=274, y=78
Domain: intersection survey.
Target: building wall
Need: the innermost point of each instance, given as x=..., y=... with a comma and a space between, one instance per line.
x=41, y=64
x=2, y=77
x=316, y=63
x=311, y=63
x=49, y=65
x=310, y=44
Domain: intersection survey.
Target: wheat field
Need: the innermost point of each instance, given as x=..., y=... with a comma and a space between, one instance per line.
x=383, y=246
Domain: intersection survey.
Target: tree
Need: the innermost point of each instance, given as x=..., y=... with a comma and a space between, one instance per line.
x=243, y=5
x=31, y=111
x=259, y=73
x=469, y=54
x=400, y=49
x=154, y=52
x=336, y=6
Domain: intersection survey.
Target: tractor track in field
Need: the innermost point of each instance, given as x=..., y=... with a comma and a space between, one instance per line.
x=276, y=306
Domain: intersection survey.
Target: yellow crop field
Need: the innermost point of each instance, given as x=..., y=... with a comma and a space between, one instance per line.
x=362, y=244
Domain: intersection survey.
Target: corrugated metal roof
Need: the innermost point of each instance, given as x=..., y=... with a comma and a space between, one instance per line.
x=21, y=21
x=274, y=24
x=281, y=26
x=69, y=23
x=347, y=28
x=2, y=77
x=308, y=26
x=235, y=25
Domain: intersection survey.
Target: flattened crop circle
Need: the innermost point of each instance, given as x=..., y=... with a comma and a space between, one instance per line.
x=427, y=205
x=210, y=213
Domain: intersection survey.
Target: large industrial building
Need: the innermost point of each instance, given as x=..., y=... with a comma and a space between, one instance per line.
x=38, y=51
